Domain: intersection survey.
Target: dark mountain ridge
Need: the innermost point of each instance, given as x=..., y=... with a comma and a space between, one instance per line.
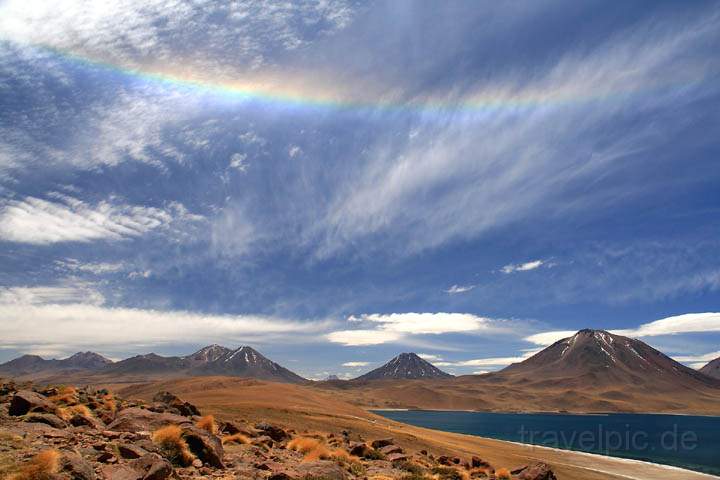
x=406, y=366
x=211, y=360
x=600, y=358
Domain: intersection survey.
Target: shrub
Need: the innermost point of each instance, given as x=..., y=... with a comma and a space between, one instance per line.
x=411, y=467
x=374, y=454
x=173, y=446
x=41, y=467
x=448, y=473
x=66, y=413
x=208, y=424
x=303, y=444
x=236, y=438
x=502, y=474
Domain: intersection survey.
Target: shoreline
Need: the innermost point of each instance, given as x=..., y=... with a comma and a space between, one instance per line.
x=560, y=451
x=535, y=412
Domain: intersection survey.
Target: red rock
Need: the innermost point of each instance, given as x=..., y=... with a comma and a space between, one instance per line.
x=389, y=449
x=46, y=418
x=25, y=401
x=76, y=467
x=539, y=471
x=396, y=457
x=382, y=442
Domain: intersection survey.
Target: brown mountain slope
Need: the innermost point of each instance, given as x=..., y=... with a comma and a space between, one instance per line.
x=306, y=407
x=592, y=371
x=712, y=369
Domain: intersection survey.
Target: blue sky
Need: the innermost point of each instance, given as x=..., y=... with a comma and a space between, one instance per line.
x=334, y=182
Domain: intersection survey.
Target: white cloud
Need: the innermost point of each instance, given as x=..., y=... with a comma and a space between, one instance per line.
x=355, y=364
x=393, y=327
x=490, y=362
x=548, y=338
x=429, y=323
x=294, y=151
x=52, y=295
x=522, y=267
x=429, y=357
x=518, y=170
x=454, y=289
x=67, y=219
x=678, y=324
x=363, y=337
x=35, y=318
x=238, y=161
x=99, y=268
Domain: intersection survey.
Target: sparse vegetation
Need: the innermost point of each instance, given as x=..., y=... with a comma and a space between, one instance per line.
x=236, y=438
x=173, y=446
x=447, y=473
x=503, y=474
x=208, y=424
x=41, y=467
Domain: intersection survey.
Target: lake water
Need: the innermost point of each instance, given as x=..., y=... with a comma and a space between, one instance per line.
x=683, y=441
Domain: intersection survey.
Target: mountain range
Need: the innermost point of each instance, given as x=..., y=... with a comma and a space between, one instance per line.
x=211, y=360
x=592, y=370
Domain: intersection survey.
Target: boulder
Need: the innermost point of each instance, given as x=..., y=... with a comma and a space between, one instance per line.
x=390, y=449
x=46, y=418
x=25, y=401
x=152, y=466
x=130, y=451
x=477, y=462
x=359, y=449
x=326, y=470
x=74, y=466
x=173, y=401
x=539, y=471
x=141, y=420
x=396, y=457
x=81, y=420
x=119, y=472
x=382, y=442
x=205, y=446
x=273, y=431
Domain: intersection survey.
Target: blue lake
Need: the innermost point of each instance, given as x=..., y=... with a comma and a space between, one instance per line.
x=683, y=441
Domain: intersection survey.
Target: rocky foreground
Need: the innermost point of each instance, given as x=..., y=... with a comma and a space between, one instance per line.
x=86, y=434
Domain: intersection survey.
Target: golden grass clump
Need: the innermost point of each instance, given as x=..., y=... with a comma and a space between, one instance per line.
x=236, y=438
x=173, y=446
x=303, y=444
x=208, y=424
x=503, y=474
x=41, y=467
x=66, y=413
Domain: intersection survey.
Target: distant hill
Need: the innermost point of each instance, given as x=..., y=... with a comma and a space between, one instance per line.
x=405, y=366
x=595, y=358
x=591, y=371
x=30, y=364
x=210, y=360
x=712, y=369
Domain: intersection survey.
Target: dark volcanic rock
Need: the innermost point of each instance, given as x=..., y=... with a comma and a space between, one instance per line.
x=205, y=446
x=141, y=420
x=26, y=401
x=46, y=418
x=152, y=467
x=76, y=467
x=382, y=442
x=272, y=431
x=539, y=471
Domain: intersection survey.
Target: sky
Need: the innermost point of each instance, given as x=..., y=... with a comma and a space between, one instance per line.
x=335, y=182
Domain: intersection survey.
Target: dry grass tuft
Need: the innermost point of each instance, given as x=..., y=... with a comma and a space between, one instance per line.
x=41, y=467
x=236, y=438
x=208, y=424
x=66, y=413
x=340, y=455
x=503, y=474
x=173, y=446
x=320, y=452
x=303, y=444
